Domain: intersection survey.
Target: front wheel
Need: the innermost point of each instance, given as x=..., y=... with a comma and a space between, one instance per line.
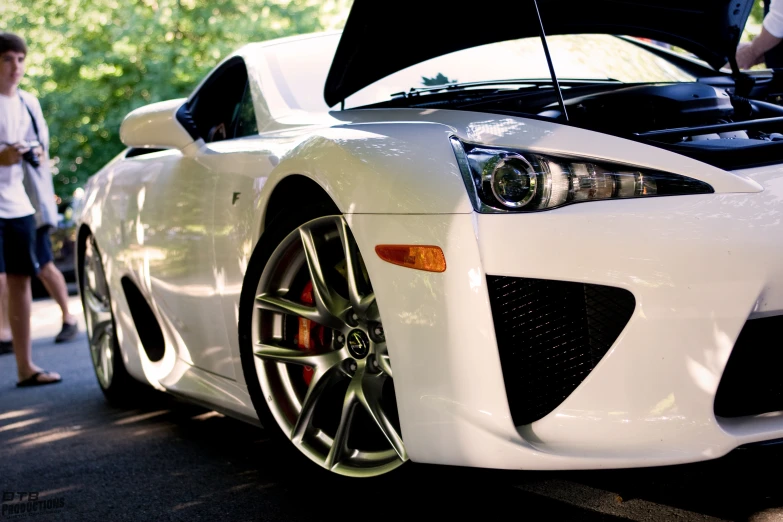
x=313, y=348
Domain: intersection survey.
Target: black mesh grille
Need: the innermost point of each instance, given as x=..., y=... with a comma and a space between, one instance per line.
x=551, y=334
x=752, y=382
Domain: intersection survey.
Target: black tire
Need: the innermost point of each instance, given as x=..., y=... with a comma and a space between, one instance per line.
x=120, y=389
x=274, y=234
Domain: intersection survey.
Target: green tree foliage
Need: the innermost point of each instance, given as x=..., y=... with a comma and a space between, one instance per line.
x=91, y=62
x=753, y=26
x=757, y=13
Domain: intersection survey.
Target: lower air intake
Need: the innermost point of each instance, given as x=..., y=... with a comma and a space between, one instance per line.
x=551, y=334
x=752, y=383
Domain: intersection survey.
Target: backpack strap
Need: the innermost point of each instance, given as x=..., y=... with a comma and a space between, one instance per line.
x=32, y=119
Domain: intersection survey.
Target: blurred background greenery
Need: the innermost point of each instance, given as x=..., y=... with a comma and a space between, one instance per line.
x=91, y=62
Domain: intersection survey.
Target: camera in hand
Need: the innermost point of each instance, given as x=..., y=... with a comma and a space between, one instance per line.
x=30, y=156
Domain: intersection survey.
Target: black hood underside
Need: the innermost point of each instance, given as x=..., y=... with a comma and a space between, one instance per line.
x=382, y=38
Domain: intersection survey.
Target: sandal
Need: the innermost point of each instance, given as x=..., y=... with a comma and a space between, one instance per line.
x=33, y=380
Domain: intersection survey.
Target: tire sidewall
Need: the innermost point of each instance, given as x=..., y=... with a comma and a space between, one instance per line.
x=273, y=235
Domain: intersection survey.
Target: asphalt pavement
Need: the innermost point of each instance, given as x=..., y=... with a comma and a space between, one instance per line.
x=70, y=456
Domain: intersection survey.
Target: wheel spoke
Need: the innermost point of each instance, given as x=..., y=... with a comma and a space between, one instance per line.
x=99, y=331
x=319, y=361
x=95, y=352
x=369, y=396
x=94, y=302
x=385, y=363
x=340, y=444
x=367, y=301
x=321, y=381
x=284, y=306
x=382, y=356
x=105, y=363
x=109, y=364
x=329, y=305
x=353, y=271
x=373, y=314
x=97, y=349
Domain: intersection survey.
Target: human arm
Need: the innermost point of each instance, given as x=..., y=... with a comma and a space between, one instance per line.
x=750, y=54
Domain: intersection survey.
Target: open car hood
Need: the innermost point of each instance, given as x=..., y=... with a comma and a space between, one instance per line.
x=381, y=39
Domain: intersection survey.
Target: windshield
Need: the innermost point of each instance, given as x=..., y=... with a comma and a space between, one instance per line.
x=299, y=69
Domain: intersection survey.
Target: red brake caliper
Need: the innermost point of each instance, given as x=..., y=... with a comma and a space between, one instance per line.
x=310, y=332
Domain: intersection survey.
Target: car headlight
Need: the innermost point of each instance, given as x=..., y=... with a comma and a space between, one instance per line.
x=506, y=180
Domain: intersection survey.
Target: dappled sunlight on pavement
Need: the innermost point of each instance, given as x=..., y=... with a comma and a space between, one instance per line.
x=20, y=424
x=15, y=413
x=138, y=418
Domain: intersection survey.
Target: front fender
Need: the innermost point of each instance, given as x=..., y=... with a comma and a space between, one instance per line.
x=383, y=168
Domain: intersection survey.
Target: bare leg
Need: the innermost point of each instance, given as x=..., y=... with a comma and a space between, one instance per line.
x=54, y=282
x=5, y=326
x=19, y=304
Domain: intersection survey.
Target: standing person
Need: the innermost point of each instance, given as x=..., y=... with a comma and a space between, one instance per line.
x=18, y=262
x=40, y=189
x=765, y=45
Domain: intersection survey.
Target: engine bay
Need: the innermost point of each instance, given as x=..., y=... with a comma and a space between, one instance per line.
x=648, y=110
x=712, y=119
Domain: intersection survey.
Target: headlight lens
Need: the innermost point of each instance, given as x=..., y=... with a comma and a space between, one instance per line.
x=511, y=179
x=502, y=180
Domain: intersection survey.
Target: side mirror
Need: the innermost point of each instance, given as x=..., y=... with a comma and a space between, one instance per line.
x=158, y=126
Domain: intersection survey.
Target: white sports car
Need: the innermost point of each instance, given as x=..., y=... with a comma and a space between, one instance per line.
x=521, y=243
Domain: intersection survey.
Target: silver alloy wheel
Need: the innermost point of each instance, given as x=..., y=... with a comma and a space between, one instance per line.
x=350, y=371
x=100, y=328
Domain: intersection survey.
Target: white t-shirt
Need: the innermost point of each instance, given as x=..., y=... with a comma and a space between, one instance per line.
x=15, y=124
x=773, y=22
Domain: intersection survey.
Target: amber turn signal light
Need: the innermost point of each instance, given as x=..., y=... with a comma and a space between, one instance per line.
x=419, y=257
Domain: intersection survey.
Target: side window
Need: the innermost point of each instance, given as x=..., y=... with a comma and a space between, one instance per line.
x=223, y=107
x=246, y=124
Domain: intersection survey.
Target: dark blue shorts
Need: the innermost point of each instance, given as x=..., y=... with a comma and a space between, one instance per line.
x=43, y=246
x=17, y=243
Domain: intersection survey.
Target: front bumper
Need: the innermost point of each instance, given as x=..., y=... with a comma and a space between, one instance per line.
x=698, y=267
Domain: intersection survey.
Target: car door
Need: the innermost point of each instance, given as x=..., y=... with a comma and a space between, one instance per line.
x=244, y=160
x=180, y=237
x=239, y=163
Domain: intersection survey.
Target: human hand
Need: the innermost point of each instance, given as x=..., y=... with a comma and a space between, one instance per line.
x=38, y=151
x=748, y=56
x=11, y=155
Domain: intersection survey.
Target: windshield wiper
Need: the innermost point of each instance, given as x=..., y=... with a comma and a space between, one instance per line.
x=535, y=82
x=531, y=96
